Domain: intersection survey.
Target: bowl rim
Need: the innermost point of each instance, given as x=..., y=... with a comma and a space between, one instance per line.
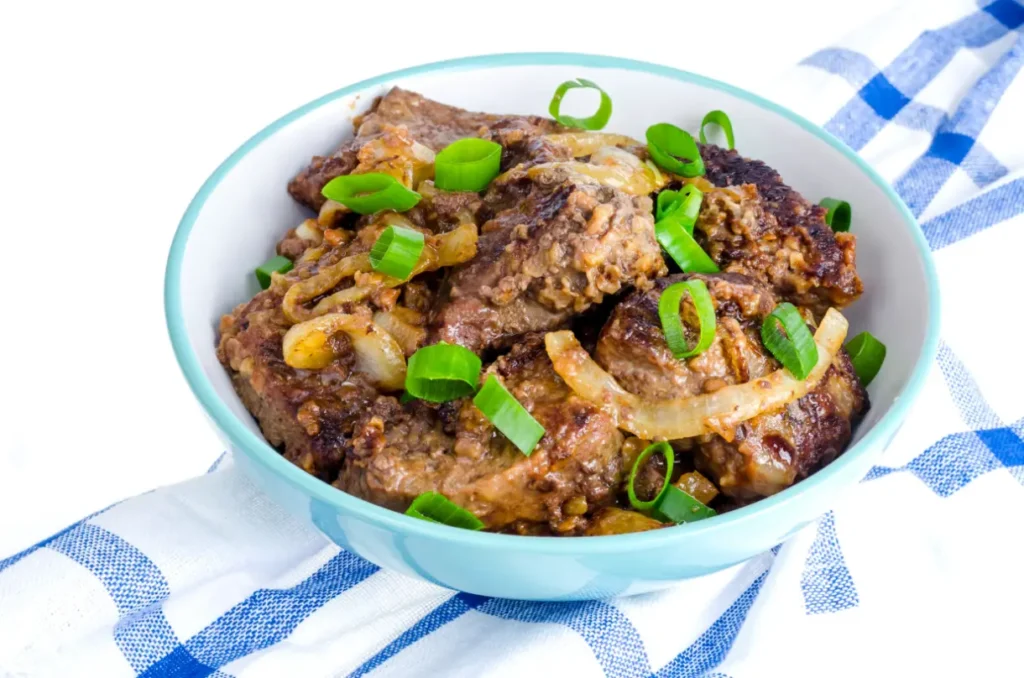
x=259, y=450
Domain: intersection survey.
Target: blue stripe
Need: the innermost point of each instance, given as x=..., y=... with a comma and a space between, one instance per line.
x=966, y=394
x=614, y=640
x=888, y=93
x=446, y=612
x=134, y=583
x=1007, y=12
x=826, y=582
x=988, y=209
x=11, y=560
x=710, y=649
x=217, y=462
x=957, y=459
x=268, y=616
x=955, y=137
x=853, y=67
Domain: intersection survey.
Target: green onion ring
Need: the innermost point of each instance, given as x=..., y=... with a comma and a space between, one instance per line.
x=396, y=251
x=508, y=415
x=467, y=165
x=595, y=122
x=681, y=246
x=371, y=192
x=670, y=459
x=676, y=506
x=795, y=349
x=669, y=306
x=277, y=264
x=674, y=150
x=722, y=120
x=437, y=508
x=839, y=214
x=442, y=372
x=683, y=204
x=867, y=355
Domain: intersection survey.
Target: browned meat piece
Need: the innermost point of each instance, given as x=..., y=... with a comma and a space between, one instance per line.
x=309, y=413
x=558, y=243
x=389, y=133
x=761, y=227
x=767, y=453
x=401, y=451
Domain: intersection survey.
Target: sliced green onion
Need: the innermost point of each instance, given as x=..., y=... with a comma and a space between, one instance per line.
x=369, y=193
x=683, y=204
x=278, y=264
x=396, y=251
x=406, y=397
x=666, y=451
x=467, y=165
x=442, y=372
x=681, y=246
x=674, y=150
x=677, y=506
x=722, y=120
x=596, y=121
x=672, y=324
x=795, y=349
x=437, y=508
x=839, y=214
x=508, y=416
x=867, y=355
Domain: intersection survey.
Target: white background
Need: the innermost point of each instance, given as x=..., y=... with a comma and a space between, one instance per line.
x=112, y=116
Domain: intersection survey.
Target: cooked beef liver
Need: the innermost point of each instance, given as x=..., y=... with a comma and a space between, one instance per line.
x=769, y=452
x=399, y=451
x=757, y=225
x=398, y=119
x=558, y=243
x=563, y=241
x=310, y=414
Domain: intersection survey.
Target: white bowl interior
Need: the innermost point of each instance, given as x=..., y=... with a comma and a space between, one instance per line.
x=249, y=210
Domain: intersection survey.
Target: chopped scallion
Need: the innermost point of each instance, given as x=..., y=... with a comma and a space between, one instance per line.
x=437, y=508
x=277, y=264
x=669, y=307
x=867, y=355
x=795, y=349
x=371, y=192
x=595, y=122
x=508, y=415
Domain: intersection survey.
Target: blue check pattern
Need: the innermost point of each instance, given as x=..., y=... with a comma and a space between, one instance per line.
x=885, y=95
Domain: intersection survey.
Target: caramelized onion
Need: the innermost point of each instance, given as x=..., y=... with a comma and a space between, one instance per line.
x=717, y=412
x=405, y=325
x=447, y=249
x=612, y=167
x=587, y=143
x=307, y=346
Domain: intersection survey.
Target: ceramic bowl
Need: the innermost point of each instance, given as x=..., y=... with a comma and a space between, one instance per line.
x=240, y=212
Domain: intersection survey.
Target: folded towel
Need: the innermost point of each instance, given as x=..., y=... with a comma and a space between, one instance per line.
x=912, y=572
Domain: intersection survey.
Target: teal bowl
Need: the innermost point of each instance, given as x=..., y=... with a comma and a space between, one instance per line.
x=243, y=208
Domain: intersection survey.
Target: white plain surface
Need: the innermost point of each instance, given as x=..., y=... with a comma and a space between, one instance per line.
x=115, y=113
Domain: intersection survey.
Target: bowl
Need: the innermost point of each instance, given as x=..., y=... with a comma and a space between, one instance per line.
x=237, y=216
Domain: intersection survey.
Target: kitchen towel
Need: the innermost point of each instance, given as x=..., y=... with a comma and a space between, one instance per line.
x=916, y=571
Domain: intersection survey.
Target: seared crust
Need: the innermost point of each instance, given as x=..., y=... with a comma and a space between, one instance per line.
x=400, y=452
x=308, y=413
x=557, y=244
x=765, y=454
x=757, y=225
x=405, y=114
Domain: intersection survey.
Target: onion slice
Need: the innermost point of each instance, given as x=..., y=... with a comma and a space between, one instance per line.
x=717, y=412
x=307, y=346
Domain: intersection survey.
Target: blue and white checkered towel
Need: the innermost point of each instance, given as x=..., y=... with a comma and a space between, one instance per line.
x=916, y=572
